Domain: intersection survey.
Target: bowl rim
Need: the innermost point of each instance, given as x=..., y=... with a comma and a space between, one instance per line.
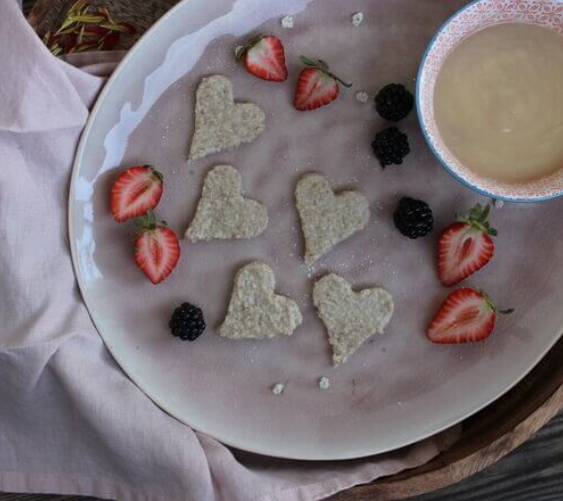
x=429, y=141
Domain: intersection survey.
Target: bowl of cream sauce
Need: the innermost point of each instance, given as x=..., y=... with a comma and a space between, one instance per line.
x=490, y=98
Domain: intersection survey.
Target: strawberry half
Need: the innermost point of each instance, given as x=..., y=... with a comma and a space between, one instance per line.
x=467, y=316
x=466, y=246
x=157, y=249
x=135, y=191
x=264, y=57
x=316, y=86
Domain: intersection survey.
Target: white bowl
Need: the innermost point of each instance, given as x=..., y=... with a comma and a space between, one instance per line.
x=467, y=21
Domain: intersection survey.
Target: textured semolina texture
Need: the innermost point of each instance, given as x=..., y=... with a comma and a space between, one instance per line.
x=350, y=317
x=222, y=211
x=326, y=218
x=220, y=123
x=255, y=311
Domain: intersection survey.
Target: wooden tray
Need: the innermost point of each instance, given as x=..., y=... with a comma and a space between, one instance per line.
x=487, y=436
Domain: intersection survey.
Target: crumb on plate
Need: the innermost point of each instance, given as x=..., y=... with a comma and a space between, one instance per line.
x=362, y=97
x=278, y=388
x=287, y=22
x=358, y=18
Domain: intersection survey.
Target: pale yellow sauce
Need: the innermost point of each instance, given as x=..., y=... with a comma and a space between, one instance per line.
x=498, y=102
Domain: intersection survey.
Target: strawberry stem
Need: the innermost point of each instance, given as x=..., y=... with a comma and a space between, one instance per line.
x=321, y=65
x=477, y=218
x=491, y=305
x=147, y=221
x=155, y=172
x=247, y=46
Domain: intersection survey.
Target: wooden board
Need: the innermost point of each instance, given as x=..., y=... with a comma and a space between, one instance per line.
x=487, y=436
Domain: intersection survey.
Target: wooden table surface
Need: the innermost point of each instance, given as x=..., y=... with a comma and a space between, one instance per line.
x=533, y=472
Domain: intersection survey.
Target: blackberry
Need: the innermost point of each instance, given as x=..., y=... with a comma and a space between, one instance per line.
x=413, y=218
x=394, y=102
x=187, y=322
x=390, y=146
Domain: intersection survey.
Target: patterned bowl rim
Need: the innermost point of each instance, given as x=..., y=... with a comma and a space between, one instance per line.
x=427, y=137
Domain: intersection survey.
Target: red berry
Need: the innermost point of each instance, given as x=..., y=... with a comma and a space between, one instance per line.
x=157, y=249
x=316, y=86
x=465, y=246
x=264, y=57
x=466, y=316
x=135, y=191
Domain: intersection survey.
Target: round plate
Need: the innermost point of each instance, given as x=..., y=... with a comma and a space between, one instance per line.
x=398, y=388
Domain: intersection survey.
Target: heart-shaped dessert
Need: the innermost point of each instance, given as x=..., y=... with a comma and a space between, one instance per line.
x=350, y=317
x=255, y=311
x=220, y=123
x=222, y=211
x=326, y=218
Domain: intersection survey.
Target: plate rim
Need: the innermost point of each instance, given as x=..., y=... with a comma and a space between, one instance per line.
x=230, y=442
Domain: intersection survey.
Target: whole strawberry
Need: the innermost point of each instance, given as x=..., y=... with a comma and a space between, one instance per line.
x=264, y=57
x=157, y=249
x=466, y=316
x=316, y=86
x=135, y=191
x=466, y=246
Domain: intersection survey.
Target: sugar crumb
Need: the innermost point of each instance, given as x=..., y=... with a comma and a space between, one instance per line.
x=358, y=18
x=278, y=388
x=362, y=97
x=287, y=22
x=324, y=383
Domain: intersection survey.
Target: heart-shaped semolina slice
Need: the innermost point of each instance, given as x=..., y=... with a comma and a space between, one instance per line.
x=220, y=123
x=350, y=317
x=255, y=310
x=327, y=218
x=223, y=212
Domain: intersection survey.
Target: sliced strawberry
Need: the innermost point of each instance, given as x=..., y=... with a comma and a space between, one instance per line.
x=135, y=191
x=157, y=249
x=466, y=316
x=264, y=57
x=465, y=246
x=316, y=86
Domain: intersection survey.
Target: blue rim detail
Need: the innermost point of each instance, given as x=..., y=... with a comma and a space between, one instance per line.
x=427, y=138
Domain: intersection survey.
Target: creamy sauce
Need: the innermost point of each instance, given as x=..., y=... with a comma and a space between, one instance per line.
x=498, y=102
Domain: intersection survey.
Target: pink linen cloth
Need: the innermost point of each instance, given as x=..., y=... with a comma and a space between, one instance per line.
x=71, y=422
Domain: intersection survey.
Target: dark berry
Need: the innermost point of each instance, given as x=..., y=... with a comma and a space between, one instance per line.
x=187, y=322
x=413, y=218
x=394, y=102
x=390, y=146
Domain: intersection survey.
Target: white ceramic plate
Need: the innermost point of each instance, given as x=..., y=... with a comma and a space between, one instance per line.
x=396, y=389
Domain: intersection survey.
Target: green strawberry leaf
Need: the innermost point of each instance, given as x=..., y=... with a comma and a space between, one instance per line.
x=484, y=214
